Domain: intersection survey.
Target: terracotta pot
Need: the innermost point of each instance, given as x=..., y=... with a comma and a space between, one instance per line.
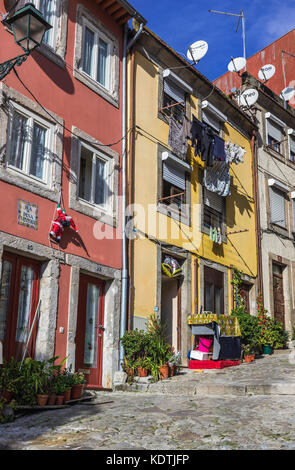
x=142, y=372
x=164, y=372
x=249, y=358
x=77, y=391
x=67, y=395
x=51, y=399
x=6, y=395
x=59, y=400
x=42, y=399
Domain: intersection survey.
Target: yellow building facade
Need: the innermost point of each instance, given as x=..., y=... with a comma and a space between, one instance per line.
x=174, y=216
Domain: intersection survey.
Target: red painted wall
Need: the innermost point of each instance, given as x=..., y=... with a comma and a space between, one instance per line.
x=58, y=91
x=271, y=54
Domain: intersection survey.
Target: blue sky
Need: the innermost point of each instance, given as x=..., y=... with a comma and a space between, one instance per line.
x=180, y=23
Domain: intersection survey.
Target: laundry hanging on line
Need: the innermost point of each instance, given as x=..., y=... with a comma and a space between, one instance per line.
x=234, y=153
x=208, y=145
x=217, y=178
x=179, y=134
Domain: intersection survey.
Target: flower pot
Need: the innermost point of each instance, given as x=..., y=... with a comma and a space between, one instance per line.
x=164, y=372
x=67, y=395
x=142, y=372
x=77, y=391
x=249, y=358
x=42, y=399
x=59, y=400
x=267, y=349
x=51, y=399
x=6, y=395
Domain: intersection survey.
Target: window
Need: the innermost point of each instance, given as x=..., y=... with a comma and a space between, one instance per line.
x=292, y=148
x=277, y=207
x=212, y=117
x=214, y=210
x=293, y=209
x=29, y=144
x=96, y=51
x=214, y=291
x=173, y=100
x=94, y=180
x=173, y=180
x=48, y=9
x=274, y=133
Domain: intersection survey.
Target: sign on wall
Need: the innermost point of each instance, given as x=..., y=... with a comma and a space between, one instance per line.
x=27, y=214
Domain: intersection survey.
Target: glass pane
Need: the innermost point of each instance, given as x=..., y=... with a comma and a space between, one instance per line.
x=88, y=51
x=85, y=174
x=100, y=182
x=218, y=300
x=24, y=304
x=102, y=62
x=4, y=297
x=19, y=136
x=48, y=9
x=91, y=330
x=38, y=151
x=209, y=297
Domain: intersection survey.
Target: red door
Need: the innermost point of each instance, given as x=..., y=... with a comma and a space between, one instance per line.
x=19, y=292
x=89, y=334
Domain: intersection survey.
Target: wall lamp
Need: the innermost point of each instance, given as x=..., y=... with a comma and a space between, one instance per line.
x=28, y=27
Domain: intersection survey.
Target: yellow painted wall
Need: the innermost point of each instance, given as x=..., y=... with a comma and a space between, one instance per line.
x=240, y=249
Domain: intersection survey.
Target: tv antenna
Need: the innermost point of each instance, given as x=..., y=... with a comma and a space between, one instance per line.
x=241, y=16
x=288, y=92
x=266, y=72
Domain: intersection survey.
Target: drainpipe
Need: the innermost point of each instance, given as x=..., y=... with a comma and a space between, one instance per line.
x=124, y=277
x=257, y=210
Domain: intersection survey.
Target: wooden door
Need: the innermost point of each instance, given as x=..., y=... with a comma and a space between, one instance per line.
x=19, y=292
x=245, y=297
x=278, y=294
x=89, y=334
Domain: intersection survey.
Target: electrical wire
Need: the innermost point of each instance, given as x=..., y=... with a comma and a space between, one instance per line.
x=64, y=127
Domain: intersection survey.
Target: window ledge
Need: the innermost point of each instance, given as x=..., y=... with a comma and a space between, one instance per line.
x=182, y=217
x=96, y=87
x=274, y=153
x=52, y=55
x=12, y=176
x=93, y=211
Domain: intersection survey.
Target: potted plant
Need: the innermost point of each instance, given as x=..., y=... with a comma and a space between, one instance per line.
x=249, y=352
x=142, y=365
x=60, y=386
x=77, y=381
x=9, y=376
x=267, y=341
x=174, y=363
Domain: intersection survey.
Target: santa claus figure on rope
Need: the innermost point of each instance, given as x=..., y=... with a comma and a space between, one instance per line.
x=62, y=221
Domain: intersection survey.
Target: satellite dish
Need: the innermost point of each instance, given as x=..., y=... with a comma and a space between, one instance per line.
x=266, y=72
x=197, y=50
x=287, y=93
x=237, y=64
x=248, y=97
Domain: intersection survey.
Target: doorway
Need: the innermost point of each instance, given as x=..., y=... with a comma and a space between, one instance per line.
x=90, y=328
x=19, y=293
x=278, y=293
x=171, y=310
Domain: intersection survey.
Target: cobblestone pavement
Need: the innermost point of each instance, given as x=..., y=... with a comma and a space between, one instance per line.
x=153, y=421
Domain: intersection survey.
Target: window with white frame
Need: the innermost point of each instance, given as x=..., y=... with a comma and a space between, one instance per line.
x=96, y=55
x=29, y=145
x=94, y=177
x=49, y=10
x=274, y=133
x=277, y=193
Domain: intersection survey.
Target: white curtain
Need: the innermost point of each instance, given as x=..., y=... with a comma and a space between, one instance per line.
x=19, y=135
x=38, y=152
x=102, y=62
x=91, y=331
x=24, y=303
x=48, y=9
x=88, y=50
